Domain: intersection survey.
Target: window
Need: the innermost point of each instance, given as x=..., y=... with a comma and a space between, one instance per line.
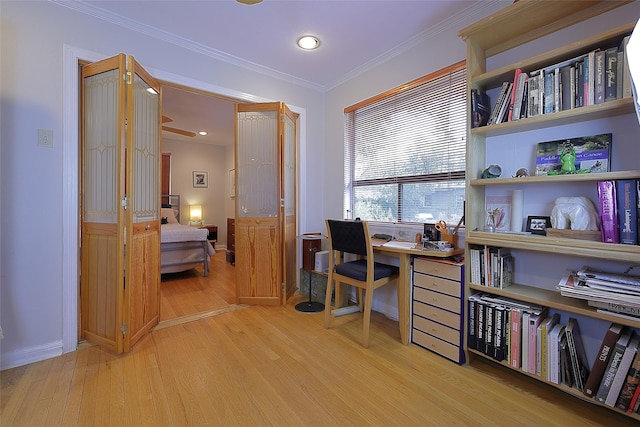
x=405, y=151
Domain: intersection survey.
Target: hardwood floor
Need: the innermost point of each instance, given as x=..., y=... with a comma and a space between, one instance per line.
x=189, y=292
x=276, y=366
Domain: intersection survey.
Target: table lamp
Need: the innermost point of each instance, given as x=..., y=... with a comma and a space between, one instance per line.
x=195, y=216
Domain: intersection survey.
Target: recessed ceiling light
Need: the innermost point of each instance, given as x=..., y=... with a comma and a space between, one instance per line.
x=308, y=42
x=202, y=132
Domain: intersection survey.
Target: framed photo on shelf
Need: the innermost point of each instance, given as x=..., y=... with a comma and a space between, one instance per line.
x=200, y=179
x=538, y=224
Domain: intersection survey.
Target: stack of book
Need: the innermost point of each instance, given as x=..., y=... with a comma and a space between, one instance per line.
x=615, y=294
x=595, y=77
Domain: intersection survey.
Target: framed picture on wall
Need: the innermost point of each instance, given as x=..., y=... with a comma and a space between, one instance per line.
x=200, y=179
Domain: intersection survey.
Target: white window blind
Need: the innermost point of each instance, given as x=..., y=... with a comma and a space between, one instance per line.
x=405, y=151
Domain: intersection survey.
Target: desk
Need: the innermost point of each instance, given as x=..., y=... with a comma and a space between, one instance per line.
x=404, y=255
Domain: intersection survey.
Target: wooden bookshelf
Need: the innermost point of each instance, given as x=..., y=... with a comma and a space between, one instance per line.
x=512, y=27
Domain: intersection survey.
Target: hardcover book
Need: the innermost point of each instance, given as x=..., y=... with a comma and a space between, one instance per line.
x=613, y=364
x=611, y=74
x=631, y=385
x=623, y=370
x=627, y=208
x=602, y=360
x=590, y=154
x=480, y=110
x=577, y=354
x=607, y=209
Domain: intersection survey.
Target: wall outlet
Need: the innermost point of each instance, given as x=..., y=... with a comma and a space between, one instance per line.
x=45, y=138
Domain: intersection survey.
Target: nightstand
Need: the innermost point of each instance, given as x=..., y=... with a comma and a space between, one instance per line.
x=213, y=233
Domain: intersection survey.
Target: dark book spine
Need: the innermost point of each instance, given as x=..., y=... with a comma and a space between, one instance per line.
x=499, y=333
x=599, y=81
x=489, y=330
x=471, y=337
x=601, y=362
x=480, y=328
x=611, y=74
x=580, y=84
x=627, y=209
x=610, y=373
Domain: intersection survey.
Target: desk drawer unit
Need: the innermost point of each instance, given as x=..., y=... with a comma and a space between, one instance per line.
x=437, y=307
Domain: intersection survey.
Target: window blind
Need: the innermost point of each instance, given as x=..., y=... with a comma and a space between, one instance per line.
x=404, y=151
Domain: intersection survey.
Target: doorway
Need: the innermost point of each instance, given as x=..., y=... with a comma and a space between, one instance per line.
x=72, y=56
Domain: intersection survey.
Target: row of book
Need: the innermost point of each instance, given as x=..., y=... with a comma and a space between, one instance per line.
x=595, y=77
x=491, y=266
x=617, y=294
x=529, y=338
x=619, y=206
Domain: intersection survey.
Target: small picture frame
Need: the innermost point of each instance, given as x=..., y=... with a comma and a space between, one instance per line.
x=200, y=179
x=538, y=224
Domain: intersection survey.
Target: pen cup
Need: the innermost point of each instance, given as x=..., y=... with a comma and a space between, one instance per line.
x=450, y=238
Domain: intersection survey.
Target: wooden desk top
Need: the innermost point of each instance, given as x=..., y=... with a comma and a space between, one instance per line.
x=381, y=245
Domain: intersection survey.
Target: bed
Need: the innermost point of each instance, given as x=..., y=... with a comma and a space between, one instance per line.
x=181, y=247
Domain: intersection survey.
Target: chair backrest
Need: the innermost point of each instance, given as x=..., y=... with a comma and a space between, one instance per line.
x=348, y=236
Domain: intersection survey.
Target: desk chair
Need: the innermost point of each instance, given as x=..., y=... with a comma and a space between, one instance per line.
x=353, y=237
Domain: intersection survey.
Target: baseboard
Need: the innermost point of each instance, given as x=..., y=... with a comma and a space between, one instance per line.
x=31, y=355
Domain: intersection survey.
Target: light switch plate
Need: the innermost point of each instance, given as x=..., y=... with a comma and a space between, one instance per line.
x=45, y=138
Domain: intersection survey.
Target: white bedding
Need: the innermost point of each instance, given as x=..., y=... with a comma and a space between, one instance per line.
x=181, y=233
x=183, y=248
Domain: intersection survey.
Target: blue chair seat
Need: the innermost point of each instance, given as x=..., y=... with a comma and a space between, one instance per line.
x=358, y=270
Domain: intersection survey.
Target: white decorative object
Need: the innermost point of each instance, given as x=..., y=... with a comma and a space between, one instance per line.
x=575, y=213
x=516, y=210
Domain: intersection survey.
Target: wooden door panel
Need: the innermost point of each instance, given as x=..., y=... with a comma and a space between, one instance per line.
x=98, y=278
x=257, y=261
x=144, y=296
x=102, y=188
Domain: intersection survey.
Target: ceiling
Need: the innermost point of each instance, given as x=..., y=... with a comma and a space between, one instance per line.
x=355, y=35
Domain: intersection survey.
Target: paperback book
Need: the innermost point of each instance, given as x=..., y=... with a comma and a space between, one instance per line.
x=587, y=154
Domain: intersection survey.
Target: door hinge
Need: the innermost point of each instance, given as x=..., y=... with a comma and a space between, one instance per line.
x=124, y=328
x=125, y=202
x=284, y=286
x=127, y=77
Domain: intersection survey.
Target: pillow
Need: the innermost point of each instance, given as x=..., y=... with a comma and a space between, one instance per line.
x=170, y=214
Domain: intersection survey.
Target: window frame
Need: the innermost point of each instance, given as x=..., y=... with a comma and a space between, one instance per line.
x=350, y=183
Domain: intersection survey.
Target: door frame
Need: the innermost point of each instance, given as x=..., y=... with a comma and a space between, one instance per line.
x=72, y=56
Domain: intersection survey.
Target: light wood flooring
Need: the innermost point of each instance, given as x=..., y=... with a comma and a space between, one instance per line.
x=189, y=292
x=255, y=366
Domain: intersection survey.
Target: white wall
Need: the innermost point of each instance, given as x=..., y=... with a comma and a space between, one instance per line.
x=187, y=157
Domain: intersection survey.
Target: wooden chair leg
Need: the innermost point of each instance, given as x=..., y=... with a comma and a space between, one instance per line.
x=367, y=317
x=327, y=301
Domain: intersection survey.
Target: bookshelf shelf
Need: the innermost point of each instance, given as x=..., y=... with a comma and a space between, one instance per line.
x=547, y=179
x=553, y=299
x=556, y=245
x=514, y=26
x=582, y=114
